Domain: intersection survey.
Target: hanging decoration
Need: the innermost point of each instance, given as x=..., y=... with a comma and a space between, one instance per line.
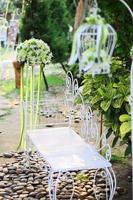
x=33, y=55
x=93, y=44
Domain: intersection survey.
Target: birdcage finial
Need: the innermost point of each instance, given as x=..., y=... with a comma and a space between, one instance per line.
x=93, y=7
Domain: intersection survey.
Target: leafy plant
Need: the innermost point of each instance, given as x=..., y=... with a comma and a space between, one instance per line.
x=82, y=177
x=109, y=95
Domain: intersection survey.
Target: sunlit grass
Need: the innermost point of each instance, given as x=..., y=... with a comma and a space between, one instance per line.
x=55, y=80
x=7, y=87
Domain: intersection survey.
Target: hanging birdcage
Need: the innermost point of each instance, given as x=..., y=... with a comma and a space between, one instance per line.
x=93, y=45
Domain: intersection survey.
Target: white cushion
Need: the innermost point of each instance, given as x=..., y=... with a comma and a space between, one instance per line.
x=65, y=150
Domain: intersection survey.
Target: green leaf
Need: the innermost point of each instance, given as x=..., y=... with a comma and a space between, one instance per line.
x=125, y=118
x=101, y=92
x=118, y=103
x=127, y=107
x=117, y=96
x=109, y=133
x=128, y=150
x=95, y=99
x=125, y=128
x=115, y=85
x=127, y=98
x=105, y=105
x=115, y=141
x=114, y=127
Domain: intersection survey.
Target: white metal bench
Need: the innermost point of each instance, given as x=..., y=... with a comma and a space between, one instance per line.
x=65, y=151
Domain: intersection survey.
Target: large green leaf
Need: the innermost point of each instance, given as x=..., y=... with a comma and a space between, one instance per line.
x=128, y=108
x=114, y=127
x=118, y=95
x=105, y=105
x=128, y=150
x=101, y=92
x=127, y=98
x=118, y=103
x=125, y=128
x=95, y=99
x=125, y=118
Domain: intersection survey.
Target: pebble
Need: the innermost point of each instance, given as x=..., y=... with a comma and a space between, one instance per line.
x=2, y=175
x=23, y=195
x=5, y=170
x=7, y=155
x=30, y=188
x=120, y=190
x=17, y=182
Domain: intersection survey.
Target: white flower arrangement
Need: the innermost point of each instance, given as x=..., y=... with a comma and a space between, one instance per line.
x=34, y=52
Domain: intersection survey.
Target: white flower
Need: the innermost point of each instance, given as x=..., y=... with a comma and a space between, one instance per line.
x=33, y=52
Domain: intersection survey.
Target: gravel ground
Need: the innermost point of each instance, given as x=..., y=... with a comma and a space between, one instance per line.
x=18, y=181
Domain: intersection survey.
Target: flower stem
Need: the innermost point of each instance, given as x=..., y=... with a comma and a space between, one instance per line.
x=38, y=95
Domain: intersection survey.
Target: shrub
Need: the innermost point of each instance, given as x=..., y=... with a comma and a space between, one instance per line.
x=48, y=20
x=110, y=96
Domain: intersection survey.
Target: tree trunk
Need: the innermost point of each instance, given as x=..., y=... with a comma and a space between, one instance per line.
x=45, y=80
x=17, y=67
x=80, y=13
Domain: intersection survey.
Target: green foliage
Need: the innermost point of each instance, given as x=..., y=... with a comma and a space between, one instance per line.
x=109, y=95
x=82, y=177
x=48, y=20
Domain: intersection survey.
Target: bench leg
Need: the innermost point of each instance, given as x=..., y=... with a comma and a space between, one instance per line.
x=53, y=183
x=108, y=176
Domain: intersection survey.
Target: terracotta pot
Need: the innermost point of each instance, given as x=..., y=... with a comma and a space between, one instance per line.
x=17, y=67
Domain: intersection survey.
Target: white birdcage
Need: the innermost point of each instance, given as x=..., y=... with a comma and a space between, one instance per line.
x=91, y=57
x=93, y=44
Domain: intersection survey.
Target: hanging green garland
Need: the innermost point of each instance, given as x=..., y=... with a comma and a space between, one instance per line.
x=31, y=53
